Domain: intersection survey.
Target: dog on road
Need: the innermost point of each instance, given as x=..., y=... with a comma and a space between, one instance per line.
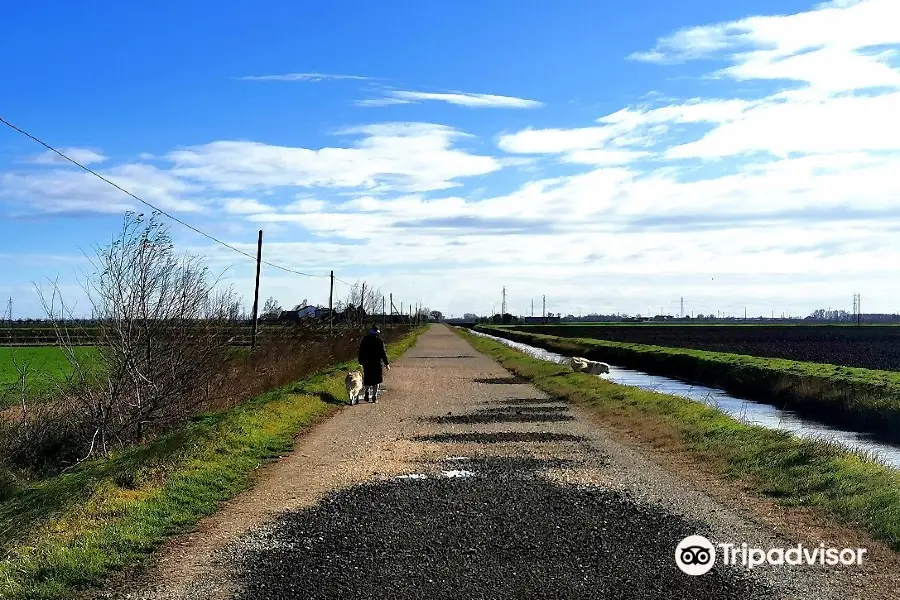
x=354, y=384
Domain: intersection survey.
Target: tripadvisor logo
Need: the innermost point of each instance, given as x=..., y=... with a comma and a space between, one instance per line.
x=696, y=555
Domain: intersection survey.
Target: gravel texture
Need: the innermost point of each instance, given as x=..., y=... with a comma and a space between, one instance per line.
x=504, y=532
x=465, y=482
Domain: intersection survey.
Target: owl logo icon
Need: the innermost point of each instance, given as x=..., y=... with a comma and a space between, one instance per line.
x=695, y=555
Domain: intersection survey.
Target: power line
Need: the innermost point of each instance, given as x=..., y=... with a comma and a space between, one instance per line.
x=141, y=200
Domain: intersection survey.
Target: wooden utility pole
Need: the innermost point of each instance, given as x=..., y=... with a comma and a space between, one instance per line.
x=392, y=309
x=256, y=290
x=362, y=301
x=331, y=306
x=383, y=311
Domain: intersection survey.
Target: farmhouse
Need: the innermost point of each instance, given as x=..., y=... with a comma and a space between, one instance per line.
x=303, y=311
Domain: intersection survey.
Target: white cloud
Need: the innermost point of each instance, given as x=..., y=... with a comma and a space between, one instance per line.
x=841, y=60
x=687, y=44
x=831, y=54
x=413, y=157
x=624, y=135
x=303, y=77
x=604, y=157
x=305, y=205
x=547, y=141
x=245, y=206
x=824, y=48
x=842, y=124
x=85, y=156
x=383, y=157
x=697, y=110
x=71, y=191
x=460, y=98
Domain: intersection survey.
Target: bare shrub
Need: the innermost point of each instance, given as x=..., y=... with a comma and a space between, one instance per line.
x=362, y=301
x=51, y=439
x=162, y=328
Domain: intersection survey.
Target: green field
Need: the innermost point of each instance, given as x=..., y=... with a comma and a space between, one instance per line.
x=46, y=364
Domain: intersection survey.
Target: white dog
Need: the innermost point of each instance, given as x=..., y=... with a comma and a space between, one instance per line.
x=591, y=367
x=354, y=384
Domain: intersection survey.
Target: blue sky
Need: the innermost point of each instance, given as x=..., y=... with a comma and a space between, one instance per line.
x=615, y=157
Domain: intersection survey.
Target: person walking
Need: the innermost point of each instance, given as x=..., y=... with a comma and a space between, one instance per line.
x=372, y=354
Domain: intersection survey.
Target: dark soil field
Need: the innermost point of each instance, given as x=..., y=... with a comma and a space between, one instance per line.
x=869, y=347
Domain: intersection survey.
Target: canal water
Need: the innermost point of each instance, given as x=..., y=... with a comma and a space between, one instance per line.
x=748, y=411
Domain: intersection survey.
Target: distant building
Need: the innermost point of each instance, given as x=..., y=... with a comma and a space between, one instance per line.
x=542, y=320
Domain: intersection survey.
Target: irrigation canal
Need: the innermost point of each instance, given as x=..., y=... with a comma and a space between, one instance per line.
x=746, y=410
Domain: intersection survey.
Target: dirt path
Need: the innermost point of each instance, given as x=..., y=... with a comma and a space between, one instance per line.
x=502, y=493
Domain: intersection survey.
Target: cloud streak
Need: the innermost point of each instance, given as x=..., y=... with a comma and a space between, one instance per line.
x=313, y=77
x=459, y=98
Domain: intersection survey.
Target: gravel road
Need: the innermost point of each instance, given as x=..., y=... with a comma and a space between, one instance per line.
x=465, y=482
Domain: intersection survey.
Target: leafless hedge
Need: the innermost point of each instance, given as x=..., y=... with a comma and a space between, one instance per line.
x=163, y=329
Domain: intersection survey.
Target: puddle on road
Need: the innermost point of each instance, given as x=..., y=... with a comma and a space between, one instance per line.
x=459, y=473
x=445, y=473
x=750, y=411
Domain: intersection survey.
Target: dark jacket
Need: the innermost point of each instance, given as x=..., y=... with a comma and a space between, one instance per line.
x=371, y=355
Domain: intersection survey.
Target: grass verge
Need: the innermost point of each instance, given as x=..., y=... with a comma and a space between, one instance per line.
x=815, y=474
x=864, y=400
x=69, y=531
